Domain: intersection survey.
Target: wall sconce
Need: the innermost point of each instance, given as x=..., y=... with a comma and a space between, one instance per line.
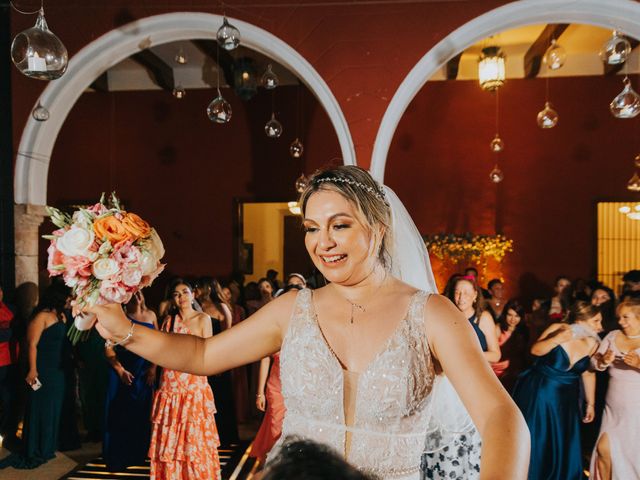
x=491, y=68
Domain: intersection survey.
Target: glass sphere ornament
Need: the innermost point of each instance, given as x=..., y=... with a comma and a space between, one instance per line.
x=627, y=103
x=38, y=53
x=269, y=79
x=496, y=175
x=219, y=110
x=497, y=144
x=547, y=117
x=636, y=161
x=228, y=36
x=181, y=57
x=40, y=113
x=296, y=148
x=555, y=56
x=179, y=92
x=301, y=183
x=273, y=128
x=616, y=50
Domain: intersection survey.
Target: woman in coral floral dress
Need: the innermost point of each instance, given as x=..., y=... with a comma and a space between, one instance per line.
x=184, y=440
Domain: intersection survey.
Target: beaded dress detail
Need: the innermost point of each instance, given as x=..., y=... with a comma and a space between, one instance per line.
x=393, y=399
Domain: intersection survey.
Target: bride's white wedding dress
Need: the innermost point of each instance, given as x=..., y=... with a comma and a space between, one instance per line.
x=386, y=407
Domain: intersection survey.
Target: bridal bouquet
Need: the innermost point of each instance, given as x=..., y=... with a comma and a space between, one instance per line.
x=105, y=254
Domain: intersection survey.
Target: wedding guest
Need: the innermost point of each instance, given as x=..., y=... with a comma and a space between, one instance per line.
x=631, y=281
x=293, y=280
x=129, y=397
x=373, y=409
x=184, y=437
x=272, y=277
x=604, y=298
x=69, y=436
x=45, y=336
x=495, y=302
x=615, y=456
x=548, y=393
x=556, y=307
x=207, y=295
x=93, y=373
x=513, y=339
x=8, y=360
x=265, y=291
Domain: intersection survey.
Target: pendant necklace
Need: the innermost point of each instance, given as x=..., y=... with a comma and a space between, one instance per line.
x=359, y=306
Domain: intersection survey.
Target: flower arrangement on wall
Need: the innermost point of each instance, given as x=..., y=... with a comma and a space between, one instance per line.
x=468, y=247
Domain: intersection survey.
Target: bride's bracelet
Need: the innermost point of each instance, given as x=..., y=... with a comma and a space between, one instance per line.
x=109, y=343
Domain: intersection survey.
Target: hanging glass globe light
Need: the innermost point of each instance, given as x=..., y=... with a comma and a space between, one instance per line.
x=228, y=36
x=181, y=57
x=636, y=161
x=633, y=184
x=547, y=117
x=38, y=53
x=219, y=110
x=497, y=144
x=616, y=50
x=269, y=79
x=40, y=113
x=627, y=103
x=179, y=92
x=273, y=128
x=296, y=148
x=301, y=183
x=496, y=175
x=555, y=56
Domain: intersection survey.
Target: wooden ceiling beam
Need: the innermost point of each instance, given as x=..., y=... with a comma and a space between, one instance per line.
x=613, y=69
x=161, y=72
x=453, y=66
x=220, y=57
x=533, y=57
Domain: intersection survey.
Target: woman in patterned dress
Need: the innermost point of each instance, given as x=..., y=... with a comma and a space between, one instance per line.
x=184, y=440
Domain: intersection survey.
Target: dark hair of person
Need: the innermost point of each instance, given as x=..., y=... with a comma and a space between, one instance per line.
x=560, y=277
x=293, y=286
x=582, y=311
x=53, y=299
x=251, y=291
x=517, y=307
x=478, y=304
x=629, y=295
x=631, y=276
x=213, y=285
x=471, y=269
x=493, y=282
x=309, y=460
x=448, y=288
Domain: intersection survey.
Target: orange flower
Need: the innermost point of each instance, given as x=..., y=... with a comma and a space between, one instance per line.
x=136, y=226
x=112, y=229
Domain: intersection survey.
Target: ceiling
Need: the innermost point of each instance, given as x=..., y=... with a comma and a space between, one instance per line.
x=155, y=68
x=522, y=46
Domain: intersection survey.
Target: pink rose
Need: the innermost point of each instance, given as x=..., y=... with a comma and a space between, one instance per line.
x=80, y=266
x=114, y=292
x=55, y=260
x=98, y=209
x=131, y=277
x=148, y=279
x=127, y=255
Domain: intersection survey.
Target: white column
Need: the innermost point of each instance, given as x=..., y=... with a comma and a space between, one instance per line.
x=27, y=220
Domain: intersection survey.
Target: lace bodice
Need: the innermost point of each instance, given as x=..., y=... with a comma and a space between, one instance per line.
x=392, y=404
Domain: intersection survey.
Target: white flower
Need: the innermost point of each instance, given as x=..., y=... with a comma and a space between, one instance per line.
x=154, y=244
x=148, y=263
x=75, y=242
x=104, y=268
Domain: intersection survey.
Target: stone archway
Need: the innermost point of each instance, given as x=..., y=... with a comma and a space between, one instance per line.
x=59, y=97
x=623, y=15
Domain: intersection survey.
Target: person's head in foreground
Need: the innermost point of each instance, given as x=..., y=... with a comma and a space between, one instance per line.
x=308, y=460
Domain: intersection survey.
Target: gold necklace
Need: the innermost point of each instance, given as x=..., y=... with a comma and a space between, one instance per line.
x=360, y=306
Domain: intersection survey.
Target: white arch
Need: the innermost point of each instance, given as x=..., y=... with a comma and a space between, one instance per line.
x=38, y=138
x=623, y=15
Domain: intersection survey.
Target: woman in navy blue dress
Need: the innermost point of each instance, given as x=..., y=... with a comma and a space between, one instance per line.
x=129, y=397
x=548, y=393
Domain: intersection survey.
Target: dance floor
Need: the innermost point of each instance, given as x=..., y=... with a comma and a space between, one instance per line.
x=235, y=461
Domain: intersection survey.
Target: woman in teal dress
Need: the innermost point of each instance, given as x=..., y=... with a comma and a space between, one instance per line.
x=548, y=394
x=45, y=338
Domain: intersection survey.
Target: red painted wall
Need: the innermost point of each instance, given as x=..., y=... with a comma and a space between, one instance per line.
x=440, y=160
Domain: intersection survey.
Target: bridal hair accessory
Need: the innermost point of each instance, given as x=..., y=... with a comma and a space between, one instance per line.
x=104, y=254
x=378, y=193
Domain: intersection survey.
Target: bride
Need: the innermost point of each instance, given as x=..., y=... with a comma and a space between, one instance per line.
x=359, y=356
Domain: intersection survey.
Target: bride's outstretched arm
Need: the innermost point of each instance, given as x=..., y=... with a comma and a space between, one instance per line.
x=505, y=436
x=256, y=337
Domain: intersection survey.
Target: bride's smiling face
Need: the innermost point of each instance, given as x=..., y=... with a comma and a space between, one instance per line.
x=339, y=245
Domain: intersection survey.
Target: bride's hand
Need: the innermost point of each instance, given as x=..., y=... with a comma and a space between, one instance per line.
x=112, y=322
